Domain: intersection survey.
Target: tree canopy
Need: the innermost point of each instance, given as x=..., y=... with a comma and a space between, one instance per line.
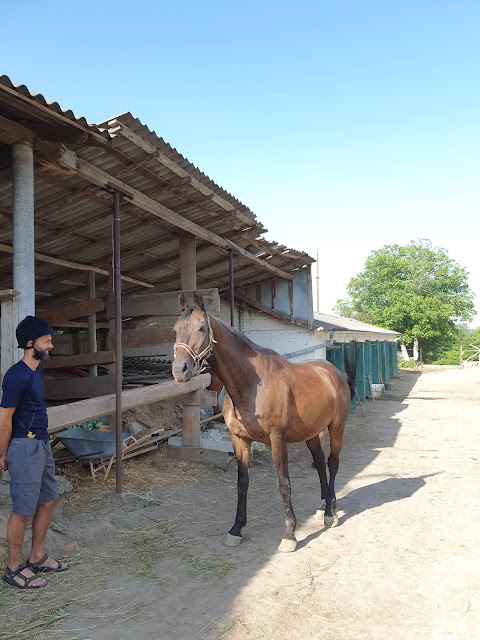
x=417, y=290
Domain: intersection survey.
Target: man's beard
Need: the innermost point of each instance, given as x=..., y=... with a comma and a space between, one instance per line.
x=38, y=354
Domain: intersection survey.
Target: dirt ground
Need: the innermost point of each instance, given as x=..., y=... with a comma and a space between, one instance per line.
x=402, y=564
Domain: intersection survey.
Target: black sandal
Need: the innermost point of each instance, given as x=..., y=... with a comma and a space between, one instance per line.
x=9, y=578
x=35, y=566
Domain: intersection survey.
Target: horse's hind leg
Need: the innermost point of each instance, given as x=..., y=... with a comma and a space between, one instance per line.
x=336, y=441
x=315, y=446
x=241, y=449
x=280, y=458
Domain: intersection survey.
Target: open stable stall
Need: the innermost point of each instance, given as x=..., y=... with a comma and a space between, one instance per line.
x=93, y=217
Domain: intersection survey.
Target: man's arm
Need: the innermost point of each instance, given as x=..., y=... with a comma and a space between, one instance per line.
x=6, y=415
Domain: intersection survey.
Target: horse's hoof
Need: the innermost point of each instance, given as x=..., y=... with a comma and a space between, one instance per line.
x=331, y=521
x=232, y=541
x=287, y=546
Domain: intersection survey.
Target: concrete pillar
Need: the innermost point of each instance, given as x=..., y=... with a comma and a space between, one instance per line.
x=23, y=229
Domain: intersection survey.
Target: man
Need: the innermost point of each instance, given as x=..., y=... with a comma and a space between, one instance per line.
x=25, y=452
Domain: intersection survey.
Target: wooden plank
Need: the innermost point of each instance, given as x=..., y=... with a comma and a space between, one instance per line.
x=76, y=388
x=14, y=133
x=6, y=248
x=75, y=412
x=163, y=304
x=138, y=338
x=74, y=325
x=74, y=311
x=83, y=360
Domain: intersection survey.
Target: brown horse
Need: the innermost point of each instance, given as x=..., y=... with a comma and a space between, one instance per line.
x=268, y=400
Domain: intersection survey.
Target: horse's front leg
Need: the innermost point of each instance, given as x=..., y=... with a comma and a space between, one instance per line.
x=241, y=449
x=280, y=458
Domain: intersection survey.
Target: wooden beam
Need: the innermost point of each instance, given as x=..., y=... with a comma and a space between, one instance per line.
x=83, y=360
x=270, y=312
x=74, y=325
x=75, y=412
x=138, y=338
x=14, y=133
x=75, y=388
x=63, y=159
x=74, y=311
x=162, y=304
x=92, y=322
x=163, y=159
x=6, y=248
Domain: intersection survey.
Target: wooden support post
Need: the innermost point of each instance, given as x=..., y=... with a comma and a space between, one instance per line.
x=92, y=323
x=188, y=261
x=188, y=279
x=191, y=425
x=9, y=351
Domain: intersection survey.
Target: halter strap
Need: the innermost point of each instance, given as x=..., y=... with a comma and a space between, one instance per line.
x=198, y=358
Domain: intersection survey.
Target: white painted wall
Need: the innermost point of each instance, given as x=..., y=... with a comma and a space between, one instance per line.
x=274, y=334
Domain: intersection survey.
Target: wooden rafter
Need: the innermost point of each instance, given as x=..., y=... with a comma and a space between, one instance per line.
x=64, y=159
x=5, y=248
x=117, y=127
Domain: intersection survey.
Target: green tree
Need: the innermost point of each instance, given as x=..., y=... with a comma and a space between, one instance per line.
x=417, y=290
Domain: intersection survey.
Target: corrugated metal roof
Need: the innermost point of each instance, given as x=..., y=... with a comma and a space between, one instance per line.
x=338, y=323
x=73, y=216
x=21, y=91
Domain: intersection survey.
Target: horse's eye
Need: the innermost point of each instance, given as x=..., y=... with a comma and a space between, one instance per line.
x=203, y=328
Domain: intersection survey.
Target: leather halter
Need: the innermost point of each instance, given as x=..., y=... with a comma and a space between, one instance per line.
x=198, y=358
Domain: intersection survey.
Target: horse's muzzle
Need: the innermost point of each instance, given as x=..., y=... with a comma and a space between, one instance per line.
x=181, y=371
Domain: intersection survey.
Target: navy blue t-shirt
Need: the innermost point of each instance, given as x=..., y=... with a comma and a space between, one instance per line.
x=23, y=390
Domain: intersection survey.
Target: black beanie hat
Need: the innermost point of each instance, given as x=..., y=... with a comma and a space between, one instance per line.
x=31, y=328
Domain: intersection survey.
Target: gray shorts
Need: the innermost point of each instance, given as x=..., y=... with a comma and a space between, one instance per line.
x=32, y=474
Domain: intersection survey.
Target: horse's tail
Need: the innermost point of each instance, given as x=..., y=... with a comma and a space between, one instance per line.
x=350, y=362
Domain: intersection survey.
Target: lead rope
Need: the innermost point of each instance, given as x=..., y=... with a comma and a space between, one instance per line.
x=198, y=358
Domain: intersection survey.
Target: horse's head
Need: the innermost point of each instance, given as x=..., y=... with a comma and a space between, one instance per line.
x=193, y=338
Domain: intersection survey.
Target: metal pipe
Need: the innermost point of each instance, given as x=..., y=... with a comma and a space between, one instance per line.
x=232, y=288
x=117, y=289
x=328, y=343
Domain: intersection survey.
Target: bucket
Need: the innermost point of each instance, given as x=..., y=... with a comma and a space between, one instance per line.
x=377, y=390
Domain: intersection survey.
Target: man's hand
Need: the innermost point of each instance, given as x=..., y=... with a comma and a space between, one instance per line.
x=5, y=434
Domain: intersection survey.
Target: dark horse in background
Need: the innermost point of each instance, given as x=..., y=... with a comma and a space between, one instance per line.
x=268, y=400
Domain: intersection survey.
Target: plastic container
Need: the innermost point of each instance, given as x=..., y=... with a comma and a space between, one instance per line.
x=377, y=390
x=83, y=443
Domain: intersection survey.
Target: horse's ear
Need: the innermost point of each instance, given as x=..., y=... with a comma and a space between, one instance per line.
x=182, y=302
x=198, y=300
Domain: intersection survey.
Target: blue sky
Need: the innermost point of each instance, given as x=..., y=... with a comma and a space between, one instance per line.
x=344, y=126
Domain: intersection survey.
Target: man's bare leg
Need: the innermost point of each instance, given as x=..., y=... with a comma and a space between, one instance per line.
x=41, y=522
x=15, y=535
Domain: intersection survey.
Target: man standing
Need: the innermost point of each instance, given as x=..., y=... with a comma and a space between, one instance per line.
x=25, y=452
